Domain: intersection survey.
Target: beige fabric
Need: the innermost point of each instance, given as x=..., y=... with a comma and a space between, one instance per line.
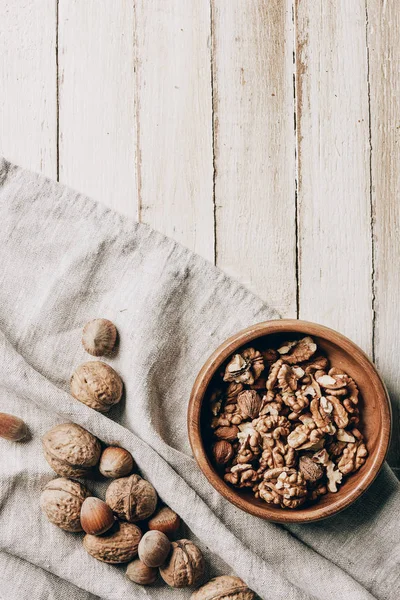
x=65, y=260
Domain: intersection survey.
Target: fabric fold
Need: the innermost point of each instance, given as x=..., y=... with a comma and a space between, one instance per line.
x=66, y=259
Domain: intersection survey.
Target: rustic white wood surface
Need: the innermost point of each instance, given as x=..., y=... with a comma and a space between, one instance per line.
x=263, y=135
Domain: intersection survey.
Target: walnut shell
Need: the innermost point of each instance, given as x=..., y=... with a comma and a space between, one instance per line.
x=131, y=498
x=97, y=385
x=226, y=587
x=184, y=566
x=118, y=545
x=70, y=450
x=165, y=520
x=116, y=462
x=99, y=337
x=61, y=502
x=140, y=573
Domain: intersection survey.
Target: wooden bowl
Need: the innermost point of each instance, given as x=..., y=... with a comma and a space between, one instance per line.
x=375, y=415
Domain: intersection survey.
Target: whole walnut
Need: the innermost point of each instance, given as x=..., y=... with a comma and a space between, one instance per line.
x=97, y=385
x=118, y=545
x=131, y=498
x=61, y=502
x=70, y=450
x=184, y=566
x=226, y=587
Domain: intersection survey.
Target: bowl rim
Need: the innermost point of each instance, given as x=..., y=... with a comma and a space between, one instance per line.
x=200, y=386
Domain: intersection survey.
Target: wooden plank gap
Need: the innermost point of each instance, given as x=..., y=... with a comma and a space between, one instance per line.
x=296, y=155
x=138, y=148
x=371, y=199
x=57, y=96
x=214, y=122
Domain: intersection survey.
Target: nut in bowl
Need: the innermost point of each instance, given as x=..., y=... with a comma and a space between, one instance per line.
x=290, y=421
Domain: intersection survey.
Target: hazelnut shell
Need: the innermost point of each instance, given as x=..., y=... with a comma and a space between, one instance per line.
x=184, y=566
x=249, y=404
x=12, y=428
x=118, y=545
x=226, y=587
x=61, y=502
x=96, y=516
x=116, y=462
x=228, y=433
x=311, y=470
x=99, y=337
x=70, y=450
x=154, y=548
x=131, y=498
x=165, y=520
x=222, y=452
x=140, y=573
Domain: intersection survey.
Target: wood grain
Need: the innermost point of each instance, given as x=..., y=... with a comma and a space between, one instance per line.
x=384, y=58
x=173, y=87
x=28, y=90
x=254, y=147
x=97, y=120
x=334, y=216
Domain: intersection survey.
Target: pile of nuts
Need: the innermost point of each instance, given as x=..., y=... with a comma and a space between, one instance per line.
x=115, y=527
x=112, y=533
x=285, y=424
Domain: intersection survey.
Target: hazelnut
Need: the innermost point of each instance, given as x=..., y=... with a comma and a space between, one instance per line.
x=131, y=498
x=222, y=452
x=184, y=566
x=154, y=548
x=228, y=433
x=99, y=337
x=97, y=385
x=61, y=502
x=311, y=470
x=118, y=545
x=140, y=573
x=12, y=428
x=116, y=462
x=70, y=450
x=96, y=516
x=165, y=520
x=226, y=587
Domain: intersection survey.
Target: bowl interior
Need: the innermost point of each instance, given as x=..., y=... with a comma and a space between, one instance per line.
x=374, y=412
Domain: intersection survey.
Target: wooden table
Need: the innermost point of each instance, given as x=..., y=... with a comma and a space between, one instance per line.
x=263, y=134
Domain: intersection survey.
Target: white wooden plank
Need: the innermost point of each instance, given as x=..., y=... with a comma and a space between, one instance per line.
x=28, y=92
x=174, y=115
x=255, y=147
x=384, y=56
x=334, y=216
x=96, y=93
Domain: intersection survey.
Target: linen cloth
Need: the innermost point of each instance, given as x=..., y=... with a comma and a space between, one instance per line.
x=66, y=259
